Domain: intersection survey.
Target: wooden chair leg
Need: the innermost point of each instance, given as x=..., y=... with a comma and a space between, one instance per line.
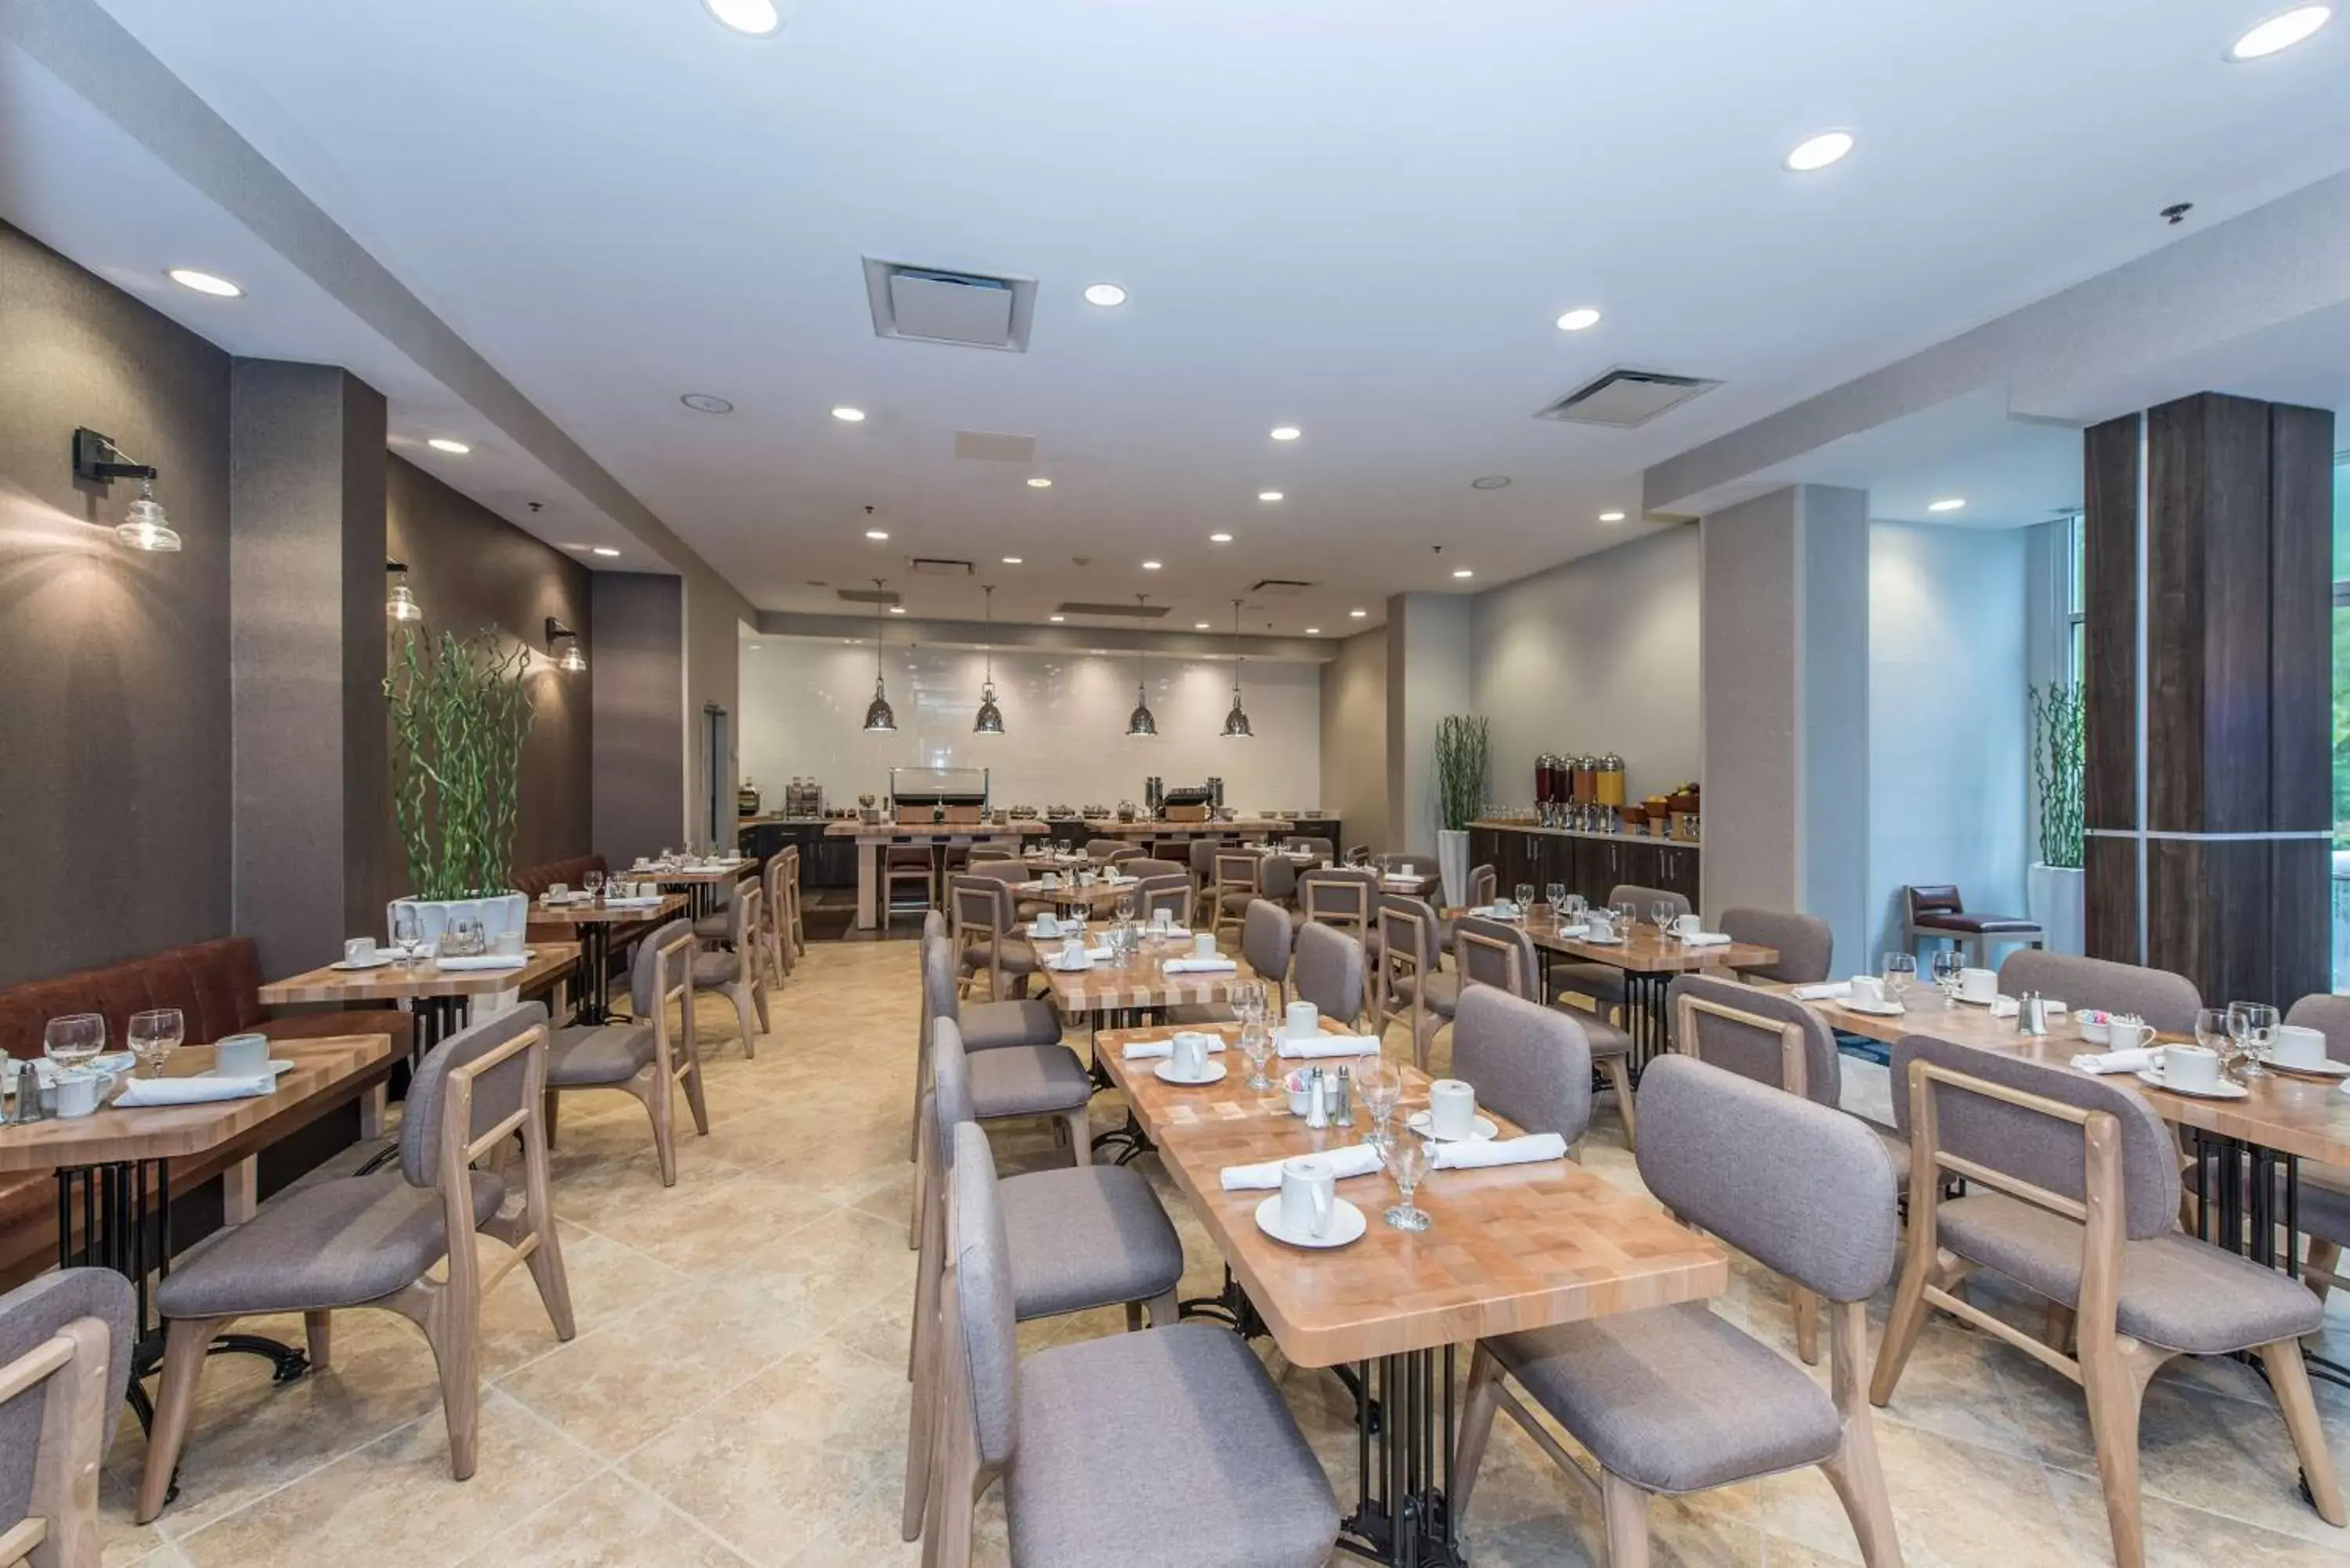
x=319, y=1336
x=185, y=1344
x=1858, y=1477
x=546, y=1113
x=741, y=990
x=453, y=1329
x=695, y=1101
x=1081, y=1139
x=2057, y=1327
x=921, y=1432
x=2324, y=1262
x=1901, y=1326
x=2114, y=1379
x=758, y=996
x=1807, y=1324
x=1619, y=1078
x=1478, y=1403
x=1133, y=1317
x=660, y=1096
x=2289, y=1376
x=1626, y=1509
x=1163, y=1309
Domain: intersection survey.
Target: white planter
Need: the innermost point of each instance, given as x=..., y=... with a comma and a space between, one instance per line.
x=499, y=913
x=1452, y=865
x=2056, y=897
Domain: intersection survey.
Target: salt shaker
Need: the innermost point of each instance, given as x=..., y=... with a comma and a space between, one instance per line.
x=2032, y=1014
x=1318, y=1100
x=1342, y=1097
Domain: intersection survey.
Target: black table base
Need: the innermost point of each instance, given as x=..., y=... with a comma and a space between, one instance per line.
x=1403, y=1463
x=2247, y=1196
x=595, y=1004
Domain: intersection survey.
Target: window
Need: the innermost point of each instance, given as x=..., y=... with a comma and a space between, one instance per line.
x=2341, y=722
x=2076, y=560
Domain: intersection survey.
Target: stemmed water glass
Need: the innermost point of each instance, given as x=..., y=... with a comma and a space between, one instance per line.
x=154, y=1035
x=1662, y=912
x=1899, y=970
x=1405, y=1156
x=1524, y=894
x=73, y=1041
x=1123, y=908
x=1256, y=1044
x=2211, y=1033
x=1947, y=962
x=1555, y=895
x=594, y=882
x=2251, y=1025
x=1627, y=915
x=1378, y=1084
x=408, y=932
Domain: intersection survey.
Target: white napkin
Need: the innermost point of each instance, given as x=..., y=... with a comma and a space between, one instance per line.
x=632, y=902
x=1320, y=1047
x=1478, y=1152
x=1707, y=939
x=486, y=960
x=1200, y=966
x=1164, y=1050
x=2136, y=1061
x=1180, y=932
x=1352, y=1160
x=197, y=1091
x=1581, y=930
x=2005, y=1007
x=1833, y=991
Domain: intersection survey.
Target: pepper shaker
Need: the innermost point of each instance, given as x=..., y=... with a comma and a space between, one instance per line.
x=1317, y=1101
x=1342, y=1096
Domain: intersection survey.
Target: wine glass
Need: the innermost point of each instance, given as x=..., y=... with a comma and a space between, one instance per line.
x=1123, y=908
x=1627, y=915
x=1406, y=1155
x=594, y=882
x=407, y=931
x=1576, y=904
x=154, y=1035
x=2211, y=1033
x=2250, y=1025
x=1662, y=913
x=1900, y=970
x=1256, y=1044
x=1523, y=896
x=1947, y=962
x=1378, y=1083
x=73, y=1040
x=1555, y=895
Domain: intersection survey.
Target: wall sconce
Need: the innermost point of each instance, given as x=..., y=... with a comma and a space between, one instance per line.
x=563, y=646
x=401, y=605
x=97, y=458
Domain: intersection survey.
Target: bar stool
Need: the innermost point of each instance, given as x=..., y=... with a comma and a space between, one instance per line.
x=908, y=863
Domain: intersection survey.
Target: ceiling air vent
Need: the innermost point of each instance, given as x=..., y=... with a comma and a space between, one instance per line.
x=935, y=305
x=1127, y=612
x=868, y=596
x=1625, y=399
x=1279, y=588
x=937, y=567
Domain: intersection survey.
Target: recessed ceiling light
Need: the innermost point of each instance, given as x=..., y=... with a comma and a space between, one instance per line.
x=1948, y=504
x=1011, y=560
x=1105, y=294
x=1611, y=517
x=1819, y=151
x=1149, y=565
x=1198, y=625
x=877, y=532
x=758, y=18
x=205, y=283
x=454, y=448
x=1286, y=433
x=577, y=547
x=604, y=550
x=849, y=415
x=1577, y=319
x=1358, y=614
x=2280, y=33
x=1220, y=538
x=1056, y=617
x=1038, y=482
x=1491, y=482
x=705, y=403
x=1313, y=631
x=754, y=648
x=896, y=609
x=1463, y=572
x=1268, y=496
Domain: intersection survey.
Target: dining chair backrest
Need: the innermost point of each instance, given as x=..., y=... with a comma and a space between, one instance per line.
x=1144, y=867
x=743, y=925
x=1494, y=952
x=982, y=854
x=2169, y=1002
x=649, y=988
x=2330, y=1016
x=1326, y=970
x=1408, y=928
x=1646, y=898
x=1758, y=1035
x=1239, y=872
x=1265, y=940
x=1526, y=1062
x=1806, y=1191
x=497, y=1094
x=984, y=1304
x=982, y=908
x=2024, y=1120
x=950, y=1085
x=1201, y=855
x=1484, y=884
x=1105, y=848
x=1339, y=897
x=1125, y=851
x=1172, y=894
x=1806, y=943
x=1008, y=872
x=69, y=1335
x=939, y=980
x=1320, y=848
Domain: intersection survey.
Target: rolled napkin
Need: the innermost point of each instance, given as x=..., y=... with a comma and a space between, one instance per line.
x=197, y=1091
x=1479, y=1152
x=486, y=960
x=2005, y=1007
x=1179, y=933
x=1707, y=939
x=1200, y=966
x=1320, y=1047
x=1352, y=1160
x=1163, y=1050
x=633, y=902
x=2137, y=1061
x=1831, y=990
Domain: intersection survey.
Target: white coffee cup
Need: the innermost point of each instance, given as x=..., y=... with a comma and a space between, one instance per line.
x=241, y=1056
x=1049, y=879
x=2296, y=1045
x=1309, y=1196
x=1869, y=990
x=77, y=1094
x=507, y=944
x=1047, y=925
x=1203, y=945
x=360, y=950
x=1304, y=1021
x=1073, y=954
x=1084, y=879
x=1162, y=918
x=2127, y=1034
x=1451, y=1109
x=1687, y=925
x=2191, y=1067
x=1978, y=984
x=1189, y=1053
x=1600, y=927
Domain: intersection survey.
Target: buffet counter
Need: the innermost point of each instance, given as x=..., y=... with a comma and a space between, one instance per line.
x=1586, y=862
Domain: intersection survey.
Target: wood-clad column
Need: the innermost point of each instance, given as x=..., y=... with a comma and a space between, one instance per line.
x=2209, y=804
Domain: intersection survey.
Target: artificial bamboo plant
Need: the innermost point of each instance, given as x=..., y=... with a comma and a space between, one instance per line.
x=459, y=715
x=2056, y=772
x=1464, y=750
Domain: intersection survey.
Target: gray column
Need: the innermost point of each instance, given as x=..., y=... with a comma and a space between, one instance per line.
x=640, y=721
x=1430, y=675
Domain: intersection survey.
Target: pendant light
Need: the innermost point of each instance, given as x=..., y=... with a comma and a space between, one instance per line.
x=1237, y=722
x=401, y=605
x=878, y=718
x=991, y=717
x=1141, y=721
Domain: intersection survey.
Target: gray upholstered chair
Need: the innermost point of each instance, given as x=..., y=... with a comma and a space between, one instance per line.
x=1342, y=897
x=779, y=886
x=2073, y=1193
x=1500, y=953
x=65, y=1361
x=734, y=970
x=1604, y=983
x=1106, y=849
x=1239, y=878
x=1677, y=1400
x=1326, y=970
x=1412, y=989
x=1231, y=1482
x=1009, y=1083
x=638, y=1057
x=1266, y=943
x=1526, y=1062
x=1200, y=856
x=2324, y=1206
x=985, y=926
x=981, y=854
x=2169, y=1002
x=1484, y=884
x=1145, y=867
x=377, y=1241
x=718, y=925
x=1320, y=848
x=984, y=1026
x=1170, y=893
x=1806, y=943
x=1086, y=1237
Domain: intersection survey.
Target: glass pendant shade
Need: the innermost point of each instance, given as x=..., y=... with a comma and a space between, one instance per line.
x=572, y=660
x=147, y=528
x=878, y=714
x=1141, y=721
x=991, y=717
x=1237, y=722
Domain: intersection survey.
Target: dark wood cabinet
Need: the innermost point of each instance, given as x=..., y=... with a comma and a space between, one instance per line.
x=1593, y=866
x=825, y=863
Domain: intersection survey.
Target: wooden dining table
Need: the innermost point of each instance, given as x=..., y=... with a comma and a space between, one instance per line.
x=595, y=922
x=1508, y=1248
x=1650, y=958
x=438, y=999
x=1140, y=985
x=700, y=882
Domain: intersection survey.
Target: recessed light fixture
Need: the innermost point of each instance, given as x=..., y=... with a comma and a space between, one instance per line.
x=1268, y=496
x=705, y=403
x=758, y=18
x=1358, y=614
x=2280, y=33
x=1056, y=619
x=1313, y=631
x=1611, y=517
x=877, y=532
x=205, y=283
x=1819, y=151
x=1198, y=625
x=1463, y=572
x=1491, y=482
x=1577, y=319
x=1038, y=482
x=1220, y=538
x=1151, y=566
x=1948, y=503
x=1105, y=294
x=896, y=609
x=1286, y=433
x=754, y=648
x=1011, y=560
x=849, y=416
x=604, y=550
x=454, y=448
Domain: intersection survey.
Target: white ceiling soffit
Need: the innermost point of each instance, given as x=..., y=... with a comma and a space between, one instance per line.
x=901, y=630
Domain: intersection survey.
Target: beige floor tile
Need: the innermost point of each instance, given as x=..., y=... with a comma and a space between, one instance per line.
x=833, y=1266
x=1954, y=1504
x=708, y=1225
x=606, y=1522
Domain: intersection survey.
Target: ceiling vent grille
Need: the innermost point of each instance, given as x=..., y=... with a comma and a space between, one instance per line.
x=937, y=567
x=1279, y=588
x=938, y=305
x=1124, y=612
x=868, y=596
x=1624, y=400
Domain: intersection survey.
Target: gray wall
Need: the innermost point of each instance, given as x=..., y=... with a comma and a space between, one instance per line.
x=1354, y=738
x=1430, y=673
x=114, y=665
x=1749, y=680
x=639, y=772
x=1833, y=565
x=713, y=674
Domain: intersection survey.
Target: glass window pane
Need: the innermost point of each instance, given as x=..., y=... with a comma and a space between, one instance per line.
x=2074, y=588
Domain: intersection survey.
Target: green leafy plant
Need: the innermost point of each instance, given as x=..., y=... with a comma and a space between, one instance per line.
x=1463, y=753
x=2056, y=772
x=459, y=715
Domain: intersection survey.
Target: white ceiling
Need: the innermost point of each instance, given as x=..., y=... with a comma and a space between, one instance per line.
x=1358, y=217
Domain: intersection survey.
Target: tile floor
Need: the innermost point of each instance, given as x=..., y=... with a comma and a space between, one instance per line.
x=736, y=1393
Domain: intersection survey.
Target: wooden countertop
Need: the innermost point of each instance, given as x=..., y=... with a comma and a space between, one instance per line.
x=394, y=981
x=1617, y=835
x=932, y=832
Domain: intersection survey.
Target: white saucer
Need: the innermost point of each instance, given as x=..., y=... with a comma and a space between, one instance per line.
x=1057, y=967
x=2328, y=1070
x=381, y=959
x=1975, y=1000
x=1417, y=1122
x=1166, y=1071
x=1876, y=1009
x=1346, y=1224
x=2222, y=1090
